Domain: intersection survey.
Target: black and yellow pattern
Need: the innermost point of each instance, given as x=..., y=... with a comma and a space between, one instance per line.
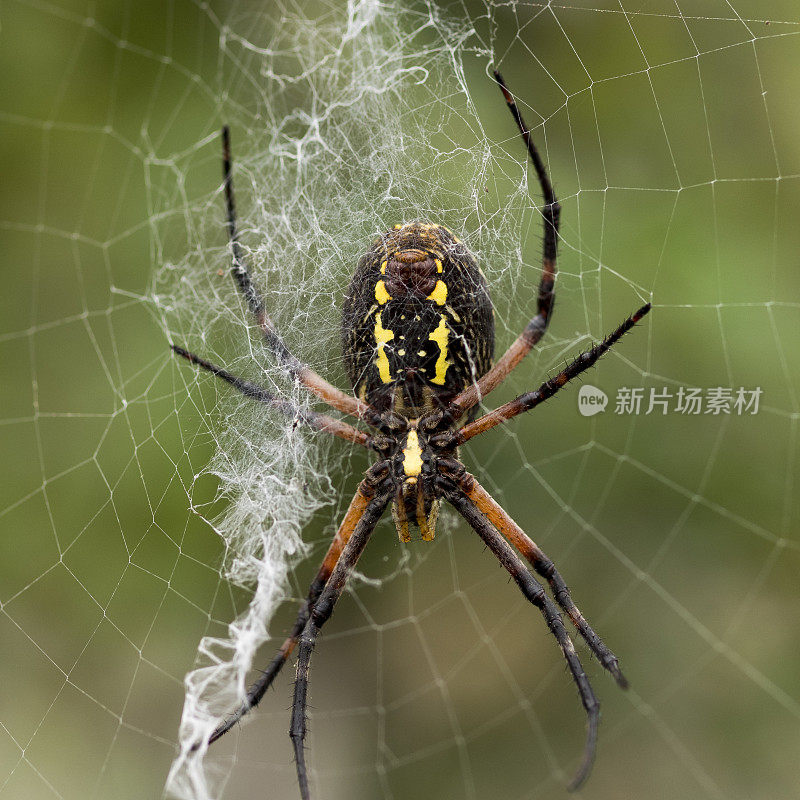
x=417, y=323
x=418, y=336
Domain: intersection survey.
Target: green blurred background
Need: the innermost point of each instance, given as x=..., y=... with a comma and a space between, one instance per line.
x=673, y=137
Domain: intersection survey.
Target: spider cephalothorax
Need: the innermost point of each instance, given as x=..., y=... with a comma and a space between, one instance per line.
x=411, y=455
x=417, y=338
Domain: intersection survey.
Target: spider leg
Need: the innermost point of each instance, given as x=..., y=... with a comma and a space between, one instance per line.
x=536, y=594
x=239, y=270
x=536, y=328
x=320, y=614
x=358, y=505
x=529, y=400
x=492, y=510
x=313, y=419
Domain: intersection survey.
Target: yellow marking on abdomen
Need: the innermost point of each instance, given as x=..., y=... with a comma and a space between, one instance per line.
x=382, y=336
x=381, y=293
x=412, y=456
x=438, y=295
x=440, y=337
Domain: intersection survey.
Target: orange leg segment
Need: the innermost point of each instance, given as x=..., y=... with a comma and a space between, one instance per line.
x=491, y=509
x=355, y=512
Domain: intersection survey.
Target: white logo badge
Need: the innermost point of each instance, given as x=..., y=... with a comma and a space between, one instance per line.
x=591, y=400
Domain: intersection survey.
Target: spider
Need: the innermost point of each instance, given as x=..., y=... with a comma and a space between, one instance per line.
x=418, y=340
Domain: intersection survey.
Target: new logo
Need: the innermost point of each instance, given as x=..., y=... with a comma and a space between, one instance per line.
x=591, y=400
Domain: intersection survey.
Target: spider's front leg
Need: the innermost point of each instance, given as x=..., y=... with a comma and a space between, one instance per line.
x=536, y=595
x=539, y=560
x=356, y=511
x=320, y=614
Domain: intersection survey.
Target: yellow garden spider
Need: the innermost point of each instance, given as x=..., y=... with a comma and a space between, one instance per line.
x=418, y=341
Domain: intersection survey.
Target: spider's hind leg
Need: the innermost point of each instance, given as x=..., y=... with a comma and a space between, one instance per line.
x=334, y=397
x=313, y=419
x=537, y=326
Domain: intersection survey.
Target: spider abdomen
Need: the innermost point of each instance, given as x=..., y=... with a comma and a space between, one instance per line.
x=417, y=322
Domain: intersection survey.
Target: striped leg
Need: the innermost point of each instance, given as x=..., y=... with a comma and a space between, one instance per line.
x=303, y=373
x=256, y=692
x=536, y=328
x=536, y=594
x=320, y=614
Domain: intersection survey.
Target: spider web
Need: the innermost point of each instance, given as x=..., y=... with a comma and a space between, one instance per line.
x=159, y=530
